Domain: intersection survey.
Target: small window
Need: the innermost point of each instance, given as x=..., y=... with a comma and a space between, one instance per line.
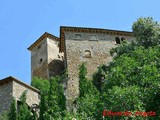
x=39, y=46
x=87, y=54
x=93, y=37
x=40, y=61
x=118, y=40
x=78, y=36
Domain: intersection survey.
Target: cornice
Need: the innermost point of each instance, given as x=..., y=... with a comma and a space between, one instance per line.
x=64, y=29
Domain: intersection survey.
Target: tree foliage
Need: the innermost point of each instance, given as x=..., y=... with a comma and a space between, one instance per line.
x=56, y=99
x=52, y=104
x=99, y=77
x=88, y=101
x=24, y=113
x=40, y=84
x=43, y=107
x=132, y=81
x=147, y=32
x=13, y=112
x=4, y=116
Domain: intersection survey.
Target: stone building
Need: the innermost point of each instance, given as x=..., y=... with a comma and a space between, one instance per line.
x=50, y=55
x=11, y=87
x=46, y=61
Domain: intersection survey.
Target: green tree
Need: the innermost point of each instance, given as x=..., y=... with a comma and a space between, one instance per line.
x=88, y=103
x=4, y=116
x=13, y=112
x=43, y=86
x=147, y=32
x=40, y=84
x=123, y=48
x=24, y=113
x=99, y=77
x=83, y=79
x=43, y=107
x=56, y=98
x=133, y=81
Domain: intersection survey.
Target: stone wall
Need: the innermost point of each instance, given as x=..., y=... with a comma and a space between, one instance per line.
x=5, y=96
x=39, y=61
x=92, y=49
x=55, y=59
x=11, y=87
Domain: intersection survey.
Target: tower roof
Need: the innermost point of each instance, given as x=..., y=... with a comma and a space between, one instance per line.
x=45, y=35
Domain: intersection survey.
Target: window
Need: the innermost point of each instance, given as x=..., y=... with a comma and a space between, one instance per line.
x=87, y=54
x=93, y=37
x=78, y=36
x=122, y=39
x=39, y=46
x=118, y=40
x=40, y=61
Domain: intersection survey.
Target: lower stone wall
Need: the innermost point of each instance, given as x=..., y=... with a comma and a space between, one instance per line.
x=92, y=53
x=5, y=97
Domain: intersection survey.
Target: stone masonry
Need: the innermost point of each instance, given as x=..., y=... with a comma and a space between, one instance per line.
x=5, y=96
x=11, y=87
x=46, y=61
x=76, y=45
x=89, y=46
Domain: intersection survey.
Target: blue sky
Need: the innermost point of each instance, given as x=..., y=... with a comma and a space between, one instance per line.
x=24, y=21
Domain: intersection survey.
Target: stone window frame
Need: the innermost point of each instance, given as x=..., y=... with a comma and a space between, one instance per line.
x=78, y=36
x=86, y=52
x=93, y=39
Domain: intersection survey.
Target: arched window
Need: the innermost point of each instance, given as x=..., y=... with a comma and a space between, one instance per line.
x=122, y=39
x=87, y=54
x=118, y=40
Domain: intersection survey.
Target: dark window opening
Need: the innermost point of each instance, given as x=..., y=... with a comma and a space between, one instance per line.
x=122, y=39
x=39, y=46
x=118, y=40
x=41, y=60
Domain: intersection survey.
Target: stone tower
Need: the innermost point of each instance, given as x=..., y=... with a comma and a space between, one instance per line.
x=46, y=61
x=87, y=45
